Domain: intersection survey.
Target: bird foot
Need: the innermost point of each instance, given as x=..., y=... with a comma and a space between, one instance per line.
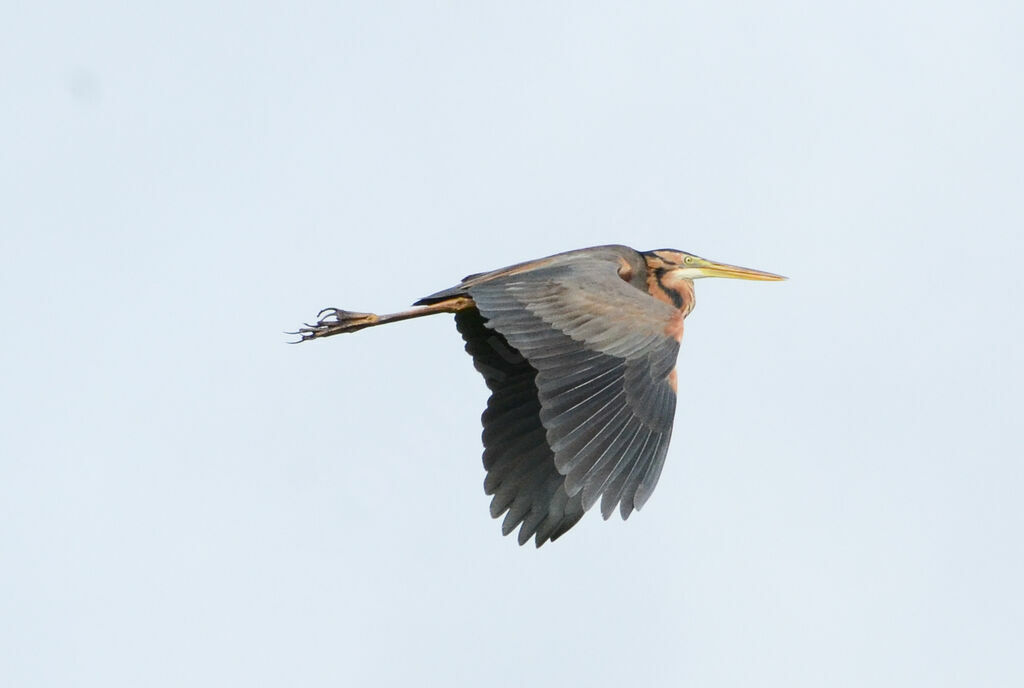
x=332, y=321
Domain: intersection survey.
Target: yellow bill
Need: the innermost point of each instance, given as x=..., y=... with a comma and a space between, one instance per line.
x=707, y=268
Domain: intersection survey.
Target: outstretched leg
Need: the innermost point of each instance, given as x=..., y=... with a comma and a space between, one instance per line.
x=332, y=321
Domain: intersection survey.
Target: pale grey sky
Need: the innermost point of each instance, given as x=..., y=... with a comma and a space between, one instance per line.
x=188, y=501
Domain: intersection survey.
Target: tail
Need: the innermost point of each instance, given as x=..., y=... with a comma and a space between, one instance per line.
x=331, y=321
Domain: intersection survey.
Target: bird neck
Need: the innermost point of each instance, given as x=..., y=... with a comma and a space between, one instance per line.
x=677, y=292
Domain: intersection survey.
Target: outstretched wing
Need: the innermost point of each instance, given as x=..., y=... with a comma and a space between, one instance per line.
x=601, y=353
x=521, y=473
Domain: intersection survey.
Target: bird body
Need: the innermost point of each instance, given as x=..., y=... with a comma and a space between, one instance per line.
x=578, y=350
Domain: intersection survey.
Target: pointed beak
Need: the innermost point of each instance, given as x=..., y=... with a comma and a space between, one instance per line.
x=707, y=268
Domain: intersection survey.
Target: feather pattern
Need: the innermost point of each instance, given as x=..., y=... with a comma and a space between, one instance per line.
x=521, y=473
x=578, y=362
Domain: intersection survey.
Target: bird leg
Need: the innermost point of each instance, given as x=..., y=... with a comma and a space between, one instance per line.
x=331, y=321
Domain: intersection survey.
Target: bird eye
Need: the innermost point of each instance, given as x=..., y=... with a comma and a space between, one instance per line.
x=688, y=259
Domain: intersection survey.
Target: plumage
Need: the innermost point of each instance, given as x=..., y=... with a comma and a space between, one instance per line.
x=578, y=350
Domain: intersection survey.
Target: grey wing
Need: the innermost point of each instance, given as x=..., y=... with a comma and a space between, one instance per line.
x=521, y=473
x=604, y=352
x=612, y=253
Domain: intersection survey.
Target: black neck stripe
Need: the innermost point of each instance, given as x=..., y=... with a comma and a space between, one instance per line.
x=677, y=298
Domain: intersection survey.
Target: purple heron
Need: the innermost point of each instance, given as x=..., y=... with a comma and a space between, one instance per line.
x=579, y=352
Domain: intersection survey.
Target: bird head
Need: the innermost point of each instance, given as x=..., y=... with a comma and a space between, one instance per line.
x=680, y=265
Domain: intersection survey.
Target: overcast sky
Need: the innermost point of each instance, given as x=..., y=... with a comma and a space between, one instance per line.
x=185, y=500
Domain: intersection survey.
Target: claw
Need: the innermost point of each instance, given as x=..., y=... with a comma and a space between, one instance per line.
x=336, y=321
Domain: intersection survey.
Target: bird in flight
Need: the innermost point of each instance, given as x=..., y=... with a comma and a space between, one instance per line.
x=579, y=352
